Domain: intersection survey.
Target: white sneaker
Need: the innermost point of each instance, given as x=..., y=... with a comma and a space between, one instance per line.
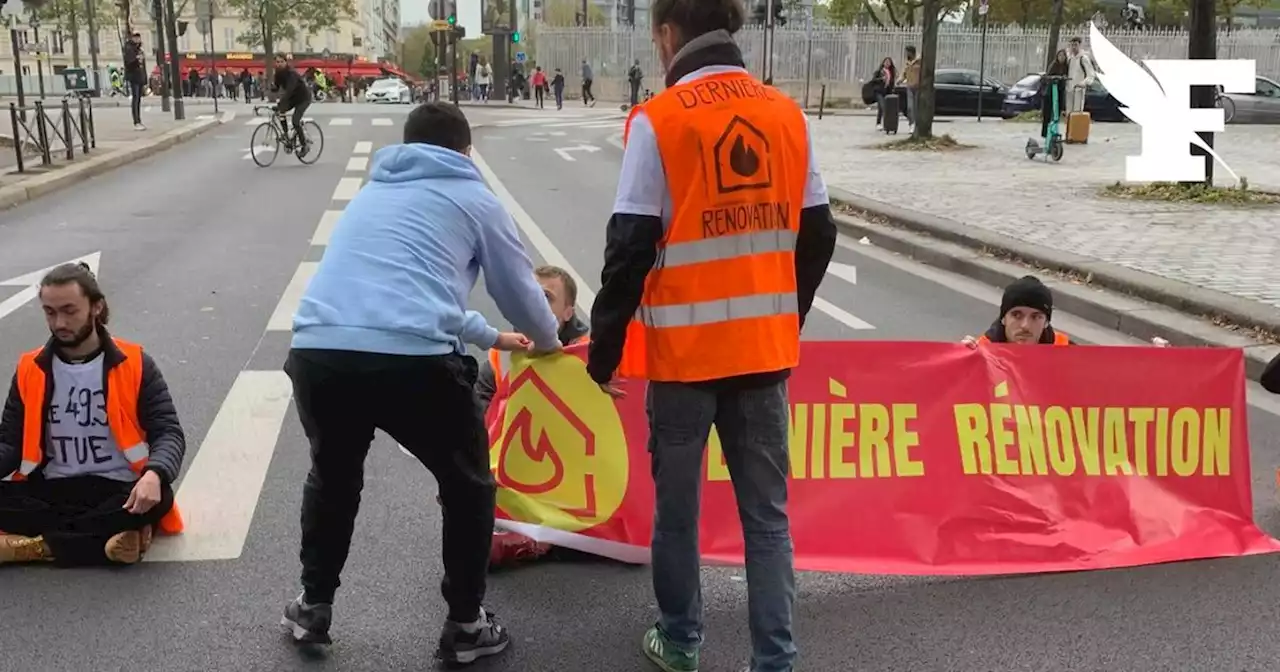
x=139, y=127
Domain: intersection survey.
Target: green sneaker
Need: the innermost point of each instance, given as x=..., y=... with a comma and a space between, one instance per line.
x=668, y=656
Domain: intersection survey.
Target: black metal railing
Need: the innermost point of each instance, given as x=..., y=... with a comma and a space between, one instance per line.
x=35, y=131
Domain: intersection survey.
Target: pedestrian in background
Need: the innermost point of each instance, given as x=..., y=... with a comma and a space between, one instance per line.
x=135, y=73
x=883, y=81
x=710, y=313
x=379, y=342
x=911, y=83
x=1054, y=81
x=588, y=98
x=635, y=76
x=539, y=86
x=557, y=87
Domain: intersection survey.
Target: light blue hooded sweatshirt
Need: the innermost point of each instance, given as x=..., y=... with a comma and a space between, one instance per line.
x=406, y=253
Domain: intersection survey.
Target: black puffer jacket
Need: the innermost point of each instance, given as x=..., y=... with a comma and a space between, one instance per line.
x=1271, y=376
x=156, y=413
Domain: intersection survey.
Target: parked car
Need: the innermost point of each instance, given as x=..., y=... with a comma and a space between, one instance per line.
x=1260, y=107
x=1024, y=96
x=955, y=93
x=389, y=90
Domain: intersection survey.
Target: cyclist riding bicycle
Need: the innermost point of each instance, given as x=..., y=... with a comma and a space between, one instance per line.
x=295, y=95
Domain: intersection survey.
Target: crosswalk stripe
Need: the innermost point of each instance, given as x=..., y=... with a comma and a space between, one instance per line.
x=340, y=121
x=381, y=122
x=358, y=164
x=254, y=122
x=363, y=147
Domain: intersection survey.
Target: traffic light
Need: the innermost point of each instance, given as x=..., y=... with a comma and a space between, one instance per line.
x=779, y=13
x=759, y=13
x=515, y=37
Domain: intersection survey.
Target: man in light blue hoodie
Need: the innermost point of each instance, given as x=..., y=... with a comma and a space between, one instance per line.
x=378, y=343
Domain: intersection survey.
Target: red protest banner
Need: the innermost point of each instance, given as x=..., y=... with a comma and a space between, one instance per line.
x=919, y=458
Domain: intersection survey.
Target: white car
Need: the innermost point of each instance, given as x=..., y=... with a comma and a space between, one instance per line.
x=390, y=90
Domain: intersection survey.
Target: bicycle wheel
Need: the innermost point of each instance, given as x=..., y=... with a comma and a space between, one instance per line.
x=315, y=142
x=265, y=144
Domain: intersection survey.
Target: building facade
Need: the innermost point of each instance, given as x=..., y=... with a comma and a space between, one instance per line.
x=372, y=34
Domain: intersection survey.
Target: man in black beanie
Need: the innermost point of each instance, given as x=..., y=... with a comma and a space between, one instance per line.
x=1025, y=311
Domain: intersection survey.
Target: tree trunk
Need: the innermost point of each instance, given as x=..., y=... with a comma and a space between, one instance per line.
x=75, y=33
x=268, y=47
x=1055, y=34
x=928, y=63
x=1202, y=43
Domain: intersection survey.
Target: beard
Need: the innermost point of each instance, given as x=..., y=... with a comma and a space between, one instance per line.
x=78, y=338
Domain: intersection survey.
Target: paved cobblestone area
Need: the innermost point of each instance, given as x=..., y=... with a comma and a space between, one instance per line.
x=995, y=187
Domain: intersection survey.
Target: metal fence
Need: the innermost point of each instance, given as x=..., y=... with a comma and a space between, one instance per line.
x=842, y=58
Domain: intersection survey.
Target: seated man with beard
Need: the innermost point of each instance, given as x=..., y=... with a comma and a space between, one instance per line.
x=90, y=442
x=1025, y=312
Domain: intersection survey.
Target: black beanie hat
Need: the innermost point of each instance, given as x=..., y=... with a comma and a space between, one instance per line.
x=1027, y=292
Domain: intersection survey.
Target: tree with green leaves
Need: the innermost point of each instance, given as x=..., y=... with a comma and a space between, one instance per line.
x=271, y=21
x=884, y=13
x=562, y=13
x=1038, y=12
x=1175, y=13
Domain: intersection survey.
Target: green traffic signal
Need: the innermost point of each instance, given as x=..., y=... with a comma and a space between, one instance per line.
x=453, y=19
x=515, y=36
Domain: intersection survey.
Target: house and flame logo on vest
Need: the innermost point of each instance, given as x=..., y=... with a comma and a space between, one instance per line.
x=561, y=458
x=742, y=158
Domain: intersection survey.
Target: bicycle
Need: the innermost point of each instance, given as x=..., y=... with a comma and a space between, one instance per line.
x=270, y=136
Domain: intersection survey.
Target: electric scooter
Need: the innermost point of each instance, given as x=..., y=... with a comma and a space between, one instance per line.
x=1052, y=148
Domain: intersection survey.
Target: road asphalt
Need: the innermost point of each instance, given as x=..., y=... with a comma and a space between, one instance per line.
x=202, y=254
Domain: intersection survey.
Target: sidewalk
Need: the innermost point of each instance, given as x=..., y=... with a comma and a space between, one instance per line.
x=117, y=144
x=996, y=189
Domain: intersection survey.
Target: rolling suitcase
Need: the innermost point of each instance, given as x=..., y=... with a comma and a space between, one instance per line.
x=890, y=113
x=1078, y=128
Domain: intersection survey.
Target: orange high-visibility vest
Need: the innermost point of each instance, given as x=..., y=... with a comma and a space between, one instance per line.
x=124, y=385
x=1059, y=338
x=500, y=360
x=721, y=299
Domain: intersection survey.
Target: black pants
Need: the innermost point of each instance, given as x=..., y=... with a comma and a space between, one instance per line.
x=76, y=516
x=298, y=110
x=135, y=102
x=427, y=404
x=538, y=94
x=587, y=96
x=635, y=93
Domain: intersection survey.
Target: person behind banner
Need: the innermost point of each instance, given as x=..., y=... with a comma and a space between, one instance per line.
x=1026, y=309
x=562, y=295
x=509, y=548
x=90, y=439
x=720, y=235
x=378, y=343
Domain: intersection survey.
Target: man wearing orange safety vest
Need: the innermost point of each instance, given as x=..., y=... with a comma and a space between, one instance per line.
x=1026, y=309
x=720, y=235
x=90, y=441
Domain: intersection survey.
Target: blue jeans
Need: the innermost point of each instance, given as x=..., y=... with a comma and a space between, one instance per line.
x=753, y=429
x=911, y=105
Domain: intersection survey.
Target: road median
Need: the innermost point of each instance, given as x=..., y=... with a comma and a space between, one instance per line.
x=96, y=164
x=1132, y=302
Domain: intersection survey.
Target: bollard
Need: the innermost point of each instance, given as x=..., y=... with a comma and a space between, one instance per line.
x=822, y=100
x=93, y=133
x=43, y=132
x=17, y=135
x=66, y=130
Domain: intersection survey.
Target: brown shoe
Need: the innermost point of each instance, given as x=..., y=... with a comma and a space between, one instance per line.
x=124, y=548
x=147, y=536
x=17, y=548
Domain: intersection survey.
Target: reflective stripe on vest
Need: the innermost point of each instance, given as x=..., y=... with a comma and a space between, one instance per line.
x=721, y=299
x=1059, y=338
x=124, y=385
